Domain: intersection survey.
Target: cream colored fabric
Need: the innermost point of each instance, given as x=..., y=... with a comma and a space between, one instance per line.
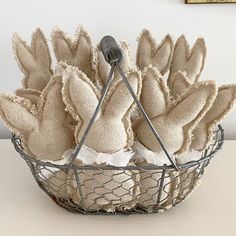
x=180, y=83
x=77, y=51
x=88, y=156
x=111, y=131
x=34, y=61
x=103, y=68
x=186, y=60
x=156, y=95
x=175, y=126
x=30, y=94
x=150, y=53
x=142, y=154
x=203, y=133
x=43, y=132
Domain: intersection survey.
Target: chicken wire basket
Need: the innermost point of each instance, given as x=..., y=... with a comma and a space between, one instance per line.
x=136, y=188
x=98, y=189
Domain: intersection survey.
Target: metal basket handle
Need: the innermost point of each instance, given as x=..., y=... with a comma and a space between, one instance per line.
x=113, y=55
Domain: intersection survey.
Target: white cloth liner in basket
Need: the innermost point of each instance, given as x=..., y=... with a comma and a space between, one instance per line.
x=159, y=159
x=122, y=158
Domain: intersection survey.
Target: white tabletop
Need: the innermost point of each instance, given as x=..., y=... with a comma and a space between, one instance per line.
x=26, y=210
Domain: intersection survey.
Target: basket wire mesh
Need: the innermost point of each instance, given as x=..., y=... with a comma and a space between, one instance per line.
x=136, y=188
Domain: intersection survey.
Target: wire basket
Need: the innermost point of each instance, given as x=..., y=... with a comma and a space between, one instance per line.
x=111, y=190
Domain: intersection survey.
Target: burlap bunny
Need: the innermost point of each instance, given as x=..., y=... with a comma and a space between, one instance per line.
x=169, y=118
x=180, y=117
x=110, y=133
x=77, y=51
x=34, y=61
x=150, y=53
x=44, y=134
x=103, y=68
x=191, y=62
x=222, y=106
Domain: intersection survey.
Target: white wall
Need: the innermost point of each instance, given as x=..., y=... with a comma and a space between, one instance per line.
x=124, y=19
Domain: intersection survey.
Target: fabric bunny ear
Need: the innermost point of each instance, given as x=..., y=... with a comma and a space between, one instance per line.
x=180, y=84
x=51, y=105
x=203, y=133
x=18, y=114
x=103, y=68
x=34, y=61
x=190, y=108
x=47, y=142
x=119, y=101
x=155, y=95
x=192, y=62
x=77, y=52
x=79, y=94
x=150, y=53
x=30, y=94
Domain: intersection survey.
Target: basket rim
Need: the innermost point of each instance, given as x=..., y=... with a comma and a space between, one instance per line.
x=205, y=156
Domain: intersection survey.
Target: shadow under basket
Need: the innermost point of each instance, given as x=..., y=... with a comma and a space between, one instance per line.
x=119, y=190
